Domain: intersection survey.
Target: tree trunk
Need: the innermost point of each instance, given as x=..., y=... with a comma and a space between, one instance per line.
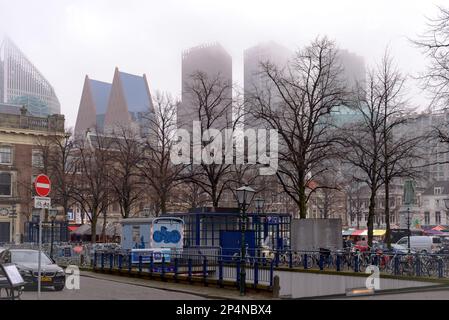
x=93, y=228
x=387, y=213
x=103, y=230
x=163, y=200
x=371, y=212
x=302, y=199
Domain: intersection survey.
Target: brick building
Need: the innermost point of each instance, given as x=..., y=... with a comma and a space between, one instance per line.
x=20, y=161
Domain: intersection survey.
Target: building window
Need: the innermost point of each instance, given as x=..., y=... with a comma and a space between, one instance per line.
x=5, y=184
x=426, y=218
x=437, y=203
x=37, y=159
x=437, y=217
x=5, y=155
x=437, y=190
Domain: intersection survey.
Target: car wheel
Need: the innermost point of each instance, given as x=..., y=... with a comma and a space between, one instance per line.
x=59, y=288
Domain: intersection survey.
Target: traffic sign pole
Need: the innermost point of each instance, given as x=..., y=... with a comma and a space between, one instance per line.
x=39, y=258
x=42, y=185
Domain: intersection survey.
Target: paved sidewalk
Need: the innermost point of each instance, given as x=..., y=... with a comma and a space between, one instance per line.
x=210, y=292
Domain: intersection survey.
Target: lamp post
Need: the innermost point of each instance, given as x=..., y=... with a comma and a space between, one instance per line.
x=52, y=214
x=244, y=197
x=13, y=216
x=259, y=203
x=409, y=200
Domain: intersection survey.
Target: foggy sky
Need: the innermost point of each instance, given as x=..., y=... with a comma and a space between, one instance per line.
x=68, y=39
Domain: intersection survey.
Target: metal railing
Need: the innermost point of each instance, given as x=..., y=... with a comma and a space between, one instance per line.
x=192, y=266
x=398, y=264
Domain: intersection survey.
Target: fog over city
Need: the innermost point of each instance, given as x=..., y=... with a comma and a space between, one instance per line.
x=67, y=39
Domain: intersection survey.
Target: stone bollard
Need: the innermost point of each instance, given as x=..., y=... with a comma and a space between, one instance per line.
x=276, y=287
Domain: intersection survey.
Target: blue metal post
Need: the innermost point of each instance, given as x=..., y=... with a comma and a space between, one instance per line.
x=356, y=263
x=440, y=268
x=151, y=264
x=271, y=273
x=418, y=266
x=277, y=258
x=111, y=261
x=205, y=271
x=95, y=260
x=290, y=260
x=176, y=269
x=120, y=258
x=190, y=269
x=237, y=269
x=220, y=272
x=396, y=265
x=256, y=274
x=130, y=263
x=321, y=262
x=102, y=261
x=163, y=267
x=140, y=264
x=338, y=262
x=197, y=229
x=305, y=261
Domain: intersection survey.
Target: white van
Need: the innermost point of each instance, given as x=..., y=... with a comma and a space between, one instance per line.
x=421, y=244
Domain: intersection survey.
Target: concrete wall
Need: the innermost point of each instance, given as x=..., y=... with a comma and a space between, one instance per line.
x=307, y=284
x=312, y=234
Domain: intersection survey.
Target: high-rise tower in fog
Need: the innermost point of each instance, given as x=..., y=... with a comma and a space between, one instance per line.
x=213, y=61
x=254, y=80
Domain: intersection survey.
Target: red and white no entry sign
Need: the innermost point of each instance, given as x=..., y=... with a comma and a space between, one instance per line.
x=42, y=185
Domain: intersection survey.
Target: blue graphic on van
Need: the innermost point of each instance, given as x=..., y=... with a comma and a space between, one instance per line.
x=166, y=236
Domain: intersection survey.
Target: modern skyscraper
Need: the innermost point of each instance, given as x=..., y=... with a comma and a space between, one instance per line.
x=93, y=105
x=22, y=84
x=214, y=62
x=254, y=80
x=125, y=103
x=354, y=68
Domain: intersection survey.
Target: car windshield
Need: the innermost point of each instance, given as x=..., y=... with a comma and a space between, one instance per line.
x=29, y=257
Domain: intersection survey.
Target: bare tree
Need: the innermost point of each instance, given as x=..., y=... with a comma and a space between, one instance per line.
x=61, y=168
x=379, y=146
x=92, y=187
x=157, y=168
x=362, y=143
x=297, y=102
x=435, y=45
x=212, y=104
x=127, y=154
x=400, y=152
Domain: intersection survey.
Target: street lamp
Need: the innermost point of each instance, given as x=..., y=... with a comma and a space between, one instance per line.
x=52, y=213
x=244, y=197
x=259, y=203
x=409, y=200
x=13, y=216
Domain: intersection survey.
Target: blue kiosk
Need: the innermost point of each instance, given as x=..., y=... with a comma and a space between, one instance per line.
x=221, y=228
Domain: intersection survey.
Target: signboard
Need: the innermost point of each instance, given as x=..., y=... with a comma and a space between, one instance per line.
x=14, y=277
x=167, y=233
x=147, y=253
x=42, y=203
x=42, y=185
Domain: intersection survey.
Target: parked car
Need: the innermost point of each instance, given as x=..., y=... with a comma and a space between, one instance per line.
x=26, y=261
x=421, y=244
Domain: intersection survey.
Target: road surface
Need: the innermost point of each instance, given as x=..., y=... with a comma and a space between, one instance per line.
x=101, y=289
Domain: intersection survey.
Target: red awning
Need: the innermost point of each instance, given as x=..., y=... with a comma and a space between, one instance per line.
x=73, y=228
x=358, y=232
